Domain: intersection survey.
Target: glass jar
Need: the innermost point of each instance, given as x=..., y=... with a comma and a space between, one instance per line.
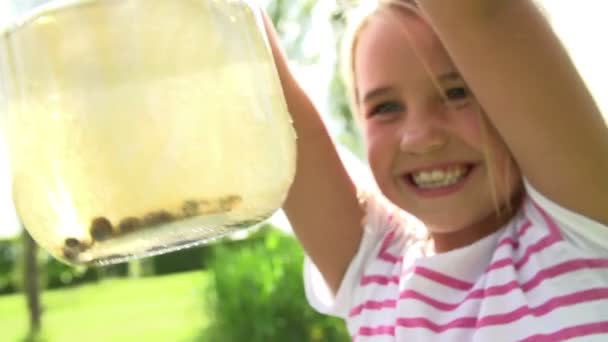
x=138, y=127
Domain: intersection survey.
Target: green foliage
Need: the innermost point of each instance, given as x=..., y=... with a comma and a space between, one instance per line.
x=55, y=274
x=8, y=259
x=350, y=136
x=292, y=20
x=338, y=100
x=182, y=260
x=260, y=294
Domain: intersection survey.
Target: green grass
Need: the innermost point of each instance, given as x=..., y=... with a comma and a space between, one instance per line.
x=167, y=308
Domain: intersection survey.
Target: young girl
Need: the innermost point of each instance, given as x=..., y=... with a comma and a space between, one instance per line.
x=509, y=184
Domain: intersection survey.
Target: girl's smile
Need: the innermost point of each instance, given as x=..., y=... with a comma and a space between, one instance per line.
x=439, y=180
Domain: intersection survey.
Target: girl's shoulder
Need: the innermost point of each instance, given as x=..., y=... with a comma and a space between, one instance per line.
x=550, y=218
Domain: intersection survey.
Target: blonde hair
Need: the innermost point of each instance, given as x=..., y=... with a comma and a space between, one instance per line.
x=357, y=22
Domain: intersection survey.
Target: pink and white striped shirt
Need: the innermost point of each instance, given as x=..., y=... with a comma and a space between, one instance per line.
x=542, y=277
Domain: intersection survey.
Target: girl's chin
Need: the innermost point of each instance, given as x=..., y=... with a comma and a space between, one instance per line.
x=434, y=226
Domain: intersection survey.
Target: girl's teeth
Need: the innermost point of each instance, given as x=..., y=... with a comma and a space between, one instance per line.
x=438, y=178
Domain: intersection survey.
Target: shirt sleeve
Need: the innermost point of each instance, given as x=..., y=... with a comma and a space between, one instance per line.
x=381, y=219
x=581, y=231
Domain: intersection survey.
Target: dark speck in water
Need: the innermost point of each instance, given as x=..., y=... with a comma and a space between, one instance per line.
x=101, y=229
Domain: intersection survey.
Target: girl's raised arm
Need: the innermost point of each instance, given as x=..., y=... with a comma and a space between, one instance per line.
x=532, y=93
x=322, y=204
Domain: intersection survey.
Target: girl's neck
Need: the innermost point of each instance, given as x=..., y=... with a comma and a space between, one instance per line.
x=445, y=242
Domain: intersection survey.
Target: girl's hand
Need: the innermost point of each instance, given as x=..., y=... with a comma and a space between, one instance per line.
x=288, y=81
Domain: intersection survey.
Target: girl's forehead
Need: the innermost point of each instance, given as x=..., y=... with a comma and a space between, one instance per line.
x=400, y=28
x=393, y=43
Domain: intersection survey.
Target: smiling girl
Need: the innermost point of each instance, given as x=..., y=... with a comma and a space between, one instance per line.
x=493, y=157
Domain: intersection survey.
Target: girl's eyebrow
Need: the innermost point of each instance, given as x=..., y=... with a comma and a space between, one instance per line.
x=376, y=92
x=382, y=90
x=449, y=76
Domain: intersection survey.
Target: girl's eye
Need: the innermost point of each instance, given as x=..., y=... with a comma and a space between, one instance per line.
x=455, y=94
x=386, y=107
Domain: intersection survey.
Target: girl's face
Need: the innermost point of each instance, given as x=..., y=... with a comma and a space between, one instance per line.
x=424, y=136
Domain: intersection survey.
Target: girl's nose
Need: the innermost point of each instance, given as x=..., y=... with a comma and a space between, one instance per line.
x=422, y=138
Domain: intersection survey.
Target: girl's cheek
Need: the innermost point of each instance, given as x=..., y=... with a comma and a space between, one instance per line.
x=473, y=128
x=372, y=136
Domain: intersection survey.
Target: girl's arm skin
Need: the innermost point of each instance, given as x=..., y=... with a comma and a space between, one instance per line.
x=533, y=95
x=322, y=204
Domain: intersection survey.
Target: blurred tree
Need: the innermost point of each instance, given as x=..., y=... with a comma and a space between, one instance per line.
x=293, y=20
x=338, y=100
x=141, y=267
x=32, y=282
